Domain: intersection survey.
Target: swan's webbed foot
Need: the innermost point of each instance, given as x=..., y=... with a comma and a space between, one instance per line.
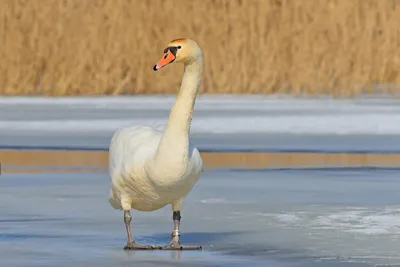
x=177, y=246
x=136, y=246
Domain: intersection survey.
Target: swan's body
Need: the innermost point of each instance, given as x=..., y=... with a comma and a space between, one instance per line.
x=135, y=184
x=149, y=168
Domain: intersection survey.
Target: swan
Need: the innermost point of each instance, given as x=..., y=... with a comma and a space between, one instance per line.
x=150, y=168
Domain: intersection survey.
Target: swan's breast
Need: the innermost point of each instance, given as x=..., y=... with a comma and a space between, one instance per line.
x=149, y=186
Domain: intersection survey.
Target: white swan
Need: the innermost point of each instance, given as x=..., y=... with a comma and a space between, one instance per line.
x=150, y=169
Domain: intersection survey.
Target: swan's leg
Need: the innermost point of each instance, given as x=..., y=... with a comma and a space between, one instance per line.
x=131, y=244
x=175, y=244
x=127, y=220
x=176, y=216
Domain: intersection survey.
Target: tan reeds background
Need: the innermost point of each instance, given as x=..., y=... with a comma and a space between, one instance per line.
x=67, y=47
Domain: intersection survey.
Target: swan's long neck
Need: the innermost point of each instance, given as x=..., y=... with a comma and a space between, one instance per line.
x=174, y=145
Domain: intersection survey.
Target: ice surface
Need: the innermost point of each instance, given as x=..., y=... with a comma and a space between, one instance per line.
x=219, y=122
x=341, y=217
x=215, y=115
x=242, y=218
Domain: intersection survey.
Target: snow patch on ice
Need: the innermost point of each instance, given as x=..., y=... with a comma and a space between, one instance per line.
x=269, y=114
x=213, y=200
x=357, y=220
x=327, y=124
x=369, y=222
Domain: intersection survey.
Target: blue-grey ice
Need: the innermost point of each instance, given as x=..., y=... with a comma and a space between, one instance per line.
x=333, y=217
x=328, y=217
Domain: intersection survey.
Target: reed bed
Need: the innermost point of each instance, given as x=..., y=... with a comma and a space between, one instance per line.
x=96, y=47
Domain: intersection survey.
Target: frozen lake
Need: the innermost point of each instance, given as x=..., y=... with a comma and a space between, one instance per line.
x=219, y=122
x=242, y=218
x=279, y=218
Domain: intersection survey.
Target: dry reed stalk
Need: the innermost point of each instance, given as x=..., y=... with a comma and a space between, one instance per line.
x=338, y=47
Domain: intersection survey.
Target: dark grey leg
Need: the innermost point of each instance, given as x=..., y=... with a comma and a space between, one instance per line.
x=131, y=244
x=176, y=216
x=127, y=220
x=175, y=244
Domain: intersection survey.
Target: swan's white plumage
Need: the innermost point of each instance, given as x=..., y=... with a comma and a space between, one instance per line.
x=151, y=168
x=135, y=184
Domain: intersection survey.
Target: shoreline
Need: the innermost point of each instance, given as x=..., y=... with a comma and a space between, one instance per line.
x=47, y=160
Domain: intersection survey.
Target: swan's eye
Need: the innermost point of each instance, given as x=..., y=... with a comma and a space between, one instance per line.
x=165, y=50
x=179, y=47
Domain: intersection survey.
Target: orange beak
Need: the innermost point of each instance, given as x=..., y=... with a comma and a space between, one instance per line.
x=165, y=60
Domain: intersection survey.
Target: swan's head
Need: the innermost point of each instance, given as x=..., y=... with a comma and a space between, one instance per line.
x=179, y=50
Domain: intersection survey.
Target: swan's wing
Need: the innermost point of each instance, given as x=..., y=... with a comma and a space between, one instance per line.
x=130, y=145
x=195, y=157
